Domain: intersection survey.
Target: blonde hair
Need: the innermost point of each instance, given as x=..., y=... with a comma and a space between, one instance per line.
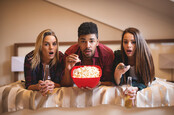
x=36, y=58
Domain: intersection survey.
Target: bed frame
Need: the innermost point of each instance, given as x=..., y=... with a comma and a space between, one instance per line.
x=18, y=45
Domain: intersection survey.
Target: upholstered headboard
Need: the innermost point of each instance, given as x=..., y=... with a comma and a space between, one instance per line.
x=157, y=47
x=21, y=49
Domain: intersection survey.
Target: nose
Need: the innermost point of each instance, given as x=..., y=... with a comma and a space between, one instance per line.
x=51, y=46
x=129, y=44
x=88, y=44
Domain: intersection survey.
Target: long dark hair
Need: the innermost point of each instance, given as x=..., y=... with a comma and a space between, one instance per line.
x=144, y=66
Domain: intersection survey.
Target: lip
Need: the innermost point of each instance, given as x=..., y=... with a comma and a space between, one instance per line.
x=51, y=53
x=128, y=51
x=87, y=51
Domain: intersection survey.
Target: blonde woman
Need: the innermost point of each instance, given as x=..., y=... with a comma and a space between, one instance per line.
x=45, y=53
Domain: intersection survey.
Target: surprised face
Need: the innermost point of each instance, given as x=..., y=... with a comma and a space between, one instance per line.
x=129, y=45
x=49, y=48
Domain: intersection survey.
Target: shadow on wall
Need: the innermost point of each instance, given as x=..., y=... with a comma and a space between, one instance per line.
x=6, y=66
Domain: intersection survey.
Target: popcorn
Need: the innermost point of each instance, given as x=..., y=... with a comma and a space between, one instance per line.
x=86, y=72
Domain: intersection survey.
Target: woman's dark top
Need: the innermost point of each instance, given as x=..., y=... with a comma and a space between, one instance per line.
x=135, y=83
x=32, y=76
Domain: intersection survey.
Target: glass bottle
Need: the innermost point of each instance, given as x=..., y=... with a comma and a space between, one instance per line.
x=47, y=75
x=128, y=101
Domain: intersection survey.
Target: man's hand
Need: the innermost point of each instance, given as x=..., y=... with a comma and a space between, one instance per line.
x=89, y=88
x=71, y=60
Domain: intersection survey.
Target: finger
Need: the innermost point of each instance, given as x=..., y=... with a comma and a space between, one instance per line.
x=73, y=60
x=40, y=81
x=132, y=98
x=50, y=88
x=73, y=56
x=44, y=93
x=88, y=88
x=82, y=88
x=43, y=90
x=51, y=84
x=99, y=83
x=127, y=67
x=70, y=59
x=132, y=94
x=121, y=66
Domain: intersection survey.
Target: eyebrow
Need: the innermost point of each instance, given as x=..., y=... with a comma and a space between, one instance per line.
x=128, y=40
x=82, y=39
x=48, y=41
x=92, y=38
x=85, y=38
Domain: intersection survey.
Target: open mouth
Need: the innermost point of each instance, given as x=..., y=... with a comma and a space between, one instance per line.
x=51, y=53
x=129, y=51
x=87, y=51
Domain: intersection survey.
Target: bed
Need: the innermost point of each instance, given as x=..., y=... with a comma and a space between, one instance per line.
x=15, y=99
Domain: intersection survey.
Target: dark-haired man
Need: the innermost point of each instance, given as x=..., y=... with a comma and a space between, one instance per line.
x=88, y=51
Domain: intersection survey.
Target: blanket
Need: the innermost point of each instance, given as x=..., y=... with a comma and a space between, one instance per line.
x=14, y=96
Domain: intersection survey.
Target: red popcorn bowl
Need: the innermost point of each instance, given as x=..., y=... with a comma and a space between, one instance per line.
x=86, y=76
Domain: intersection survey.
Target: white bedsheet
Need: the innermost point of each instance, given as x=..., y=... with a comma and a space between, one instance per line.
x=14, y=97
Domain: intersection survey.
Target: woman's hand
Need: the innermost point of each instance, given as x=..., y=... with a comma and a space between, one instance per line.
x=132, y=92
x=50, y=86
x=119, y=71
x=46, y=87
x=121, y=68
x=42, y=87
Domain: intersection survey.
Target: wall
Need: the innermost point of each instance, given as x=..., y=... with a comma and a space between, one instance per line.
x=23, y=20
x=149, y=16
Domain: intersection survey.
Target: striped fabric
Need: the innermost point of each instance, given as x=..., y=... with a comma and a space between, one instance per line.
x=14, y=97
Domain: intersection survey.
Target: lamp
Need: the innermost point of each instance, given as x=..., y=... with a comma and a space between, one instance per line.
x=166, y=61
x=17, y=64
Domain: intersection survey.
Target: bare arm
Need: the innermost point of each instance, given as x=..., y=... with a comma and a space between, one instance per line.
x=119, y=71
x=71, y=60
x=34, y=87
x=66, y=79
